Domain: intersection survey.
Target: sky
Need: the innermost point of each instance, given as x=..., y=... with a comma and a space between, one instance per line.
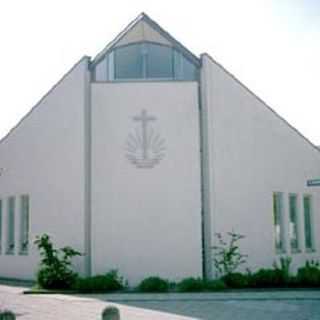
x=273, y=47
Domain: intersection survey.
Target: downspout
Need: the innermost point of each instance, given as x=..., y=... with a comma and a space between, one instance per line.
x=205, y=174
x=87, y=170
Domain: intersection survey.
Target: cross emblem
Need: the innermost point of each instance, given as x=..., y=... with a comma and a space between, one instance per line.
x=144, y=119
x=145, y=147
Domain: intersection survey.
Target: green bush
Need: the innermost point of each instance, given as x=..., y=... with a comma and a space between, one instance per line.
x=191, y=285
x=279, y=276
x=236, y=280
x=267, y=278
x=55, y=270
x=52, y=278
x=309, y=275
x=154, y=284
x=108, y=282
x=227, y=255
x=215, y=285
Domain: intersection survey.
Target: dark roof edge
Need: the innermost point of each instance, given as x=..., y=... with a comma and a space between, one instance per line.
x=167, y=35
x=119, y=36
x=38, y=104
x=262, y=101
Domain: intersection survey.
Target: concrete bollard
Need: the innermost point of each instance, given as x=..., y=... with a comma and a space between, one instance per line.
x=110, y=313
x=7, y=315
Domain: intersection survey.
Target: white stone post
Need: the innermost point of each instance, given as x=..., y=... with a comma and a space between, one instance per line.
x=110, y=313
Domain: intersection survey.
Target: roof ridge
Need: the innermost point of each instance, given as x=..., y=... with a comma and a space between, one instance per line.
x=154, y=25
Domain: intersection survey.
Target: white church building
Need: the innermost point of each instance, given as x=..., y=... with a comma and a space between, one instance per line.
x=138, y=157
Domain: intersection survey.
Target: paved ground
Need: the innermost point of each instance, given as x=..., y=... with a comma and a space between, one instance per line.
x=286, y=305
x=266, y=305
x=63, y=307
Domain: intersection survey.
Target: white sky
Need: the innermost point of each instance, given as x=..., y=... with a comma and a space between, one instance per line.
x=272, y=46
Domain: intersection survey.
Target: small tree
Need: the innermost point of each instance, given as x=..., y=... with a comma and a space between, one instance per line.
x=55, y=267
x=227, y=256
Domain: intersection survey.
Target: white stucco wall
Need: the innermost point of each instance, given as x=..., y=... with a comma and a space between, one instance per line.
x=146, y=221
x=43, y=157
x=253, y=153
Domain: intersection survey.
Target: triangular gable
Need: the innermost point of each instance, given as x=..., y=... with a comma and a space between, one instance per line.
x=142, y=31
x=145, y=29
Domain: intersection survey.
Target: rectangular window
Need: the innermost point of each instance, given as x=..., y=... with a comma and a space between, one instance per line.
x=278, y=222
x=0, y=226
x=10, y=226
x=293, y=222
x=159, y=62
x=128, y=61
x=24, y=224
x=308, y=229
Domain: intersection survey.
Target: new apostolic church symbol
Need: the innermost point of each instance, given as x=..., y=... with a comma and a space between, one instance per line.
x=144, y=146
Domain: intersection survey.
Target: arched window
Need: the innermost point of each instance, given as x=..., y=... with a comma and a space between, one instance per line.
x=142, y=61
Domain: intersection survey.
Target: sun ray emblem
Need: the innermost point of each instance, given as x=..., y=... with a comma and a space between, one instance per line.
x=144, y=147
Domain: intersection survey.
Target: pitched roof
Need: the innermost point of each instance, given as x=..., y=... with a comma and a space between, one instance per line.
x=143, y=27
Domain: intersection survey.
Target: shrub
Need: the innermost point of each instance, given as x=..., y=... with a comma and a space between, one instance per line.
x=108, y=282
x=279, y=276
x=55, y=270
x=236, y=280
x=227, y=256
x=309, y=275
x=154, y=284
x=191, y=285
x=215, y=285
x=267, y=278
x=284, y=269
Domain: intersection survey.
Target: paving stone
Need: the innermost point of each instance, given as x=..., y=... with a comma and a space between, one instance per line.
x=267, y=305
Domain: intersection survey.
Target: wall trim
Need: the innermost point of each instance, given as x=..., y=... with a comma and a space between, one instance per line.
x=87, y=113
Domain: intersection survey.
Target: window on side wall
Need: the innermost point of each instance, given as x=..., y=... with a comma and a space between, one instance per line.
x=10, y=225
x=24, y=224
x=308, y=223
x=293, y=223
x=278, y=222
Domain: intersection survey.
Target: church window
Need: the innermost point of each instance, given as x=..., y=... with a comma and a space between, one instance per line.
x=293, y=223
x=159, y=62
x=10, y=225
x=143, y=61
x=278, y=222
x=308, y=229
x=24, y=224
x=129, y=62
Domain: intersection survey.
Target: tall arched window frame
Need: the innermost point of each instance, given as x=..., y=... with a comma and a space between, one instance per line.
x=148, y=61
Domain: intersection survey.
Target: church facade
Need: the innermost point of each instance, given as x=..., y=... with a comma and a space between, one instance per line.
x=138, y=157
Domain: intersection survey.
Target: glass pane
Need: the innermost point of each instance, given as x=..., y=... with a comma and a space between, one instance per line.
x=10, y=237
x=293, y=229
x=277, y=218
x=307, y=222
x=100, y=71
x=159, y=61
x=177, y=65
x=183, y=68
x=128, y=62
x=189, y=70
x=24, y=232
